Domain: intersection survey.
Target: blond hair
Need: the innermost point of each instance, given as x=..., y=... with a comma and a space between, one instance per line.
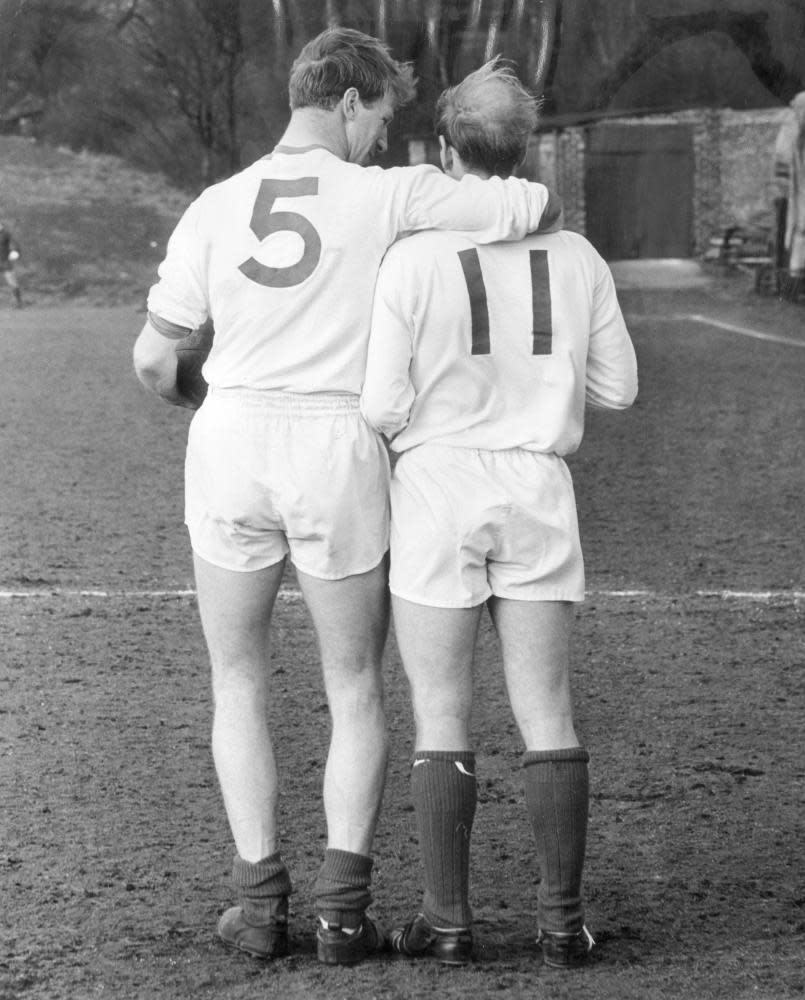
x=340, y=58
x=488, y=118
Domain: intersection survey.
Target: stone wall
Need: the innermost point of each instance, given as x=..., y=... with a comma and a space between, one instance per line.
x=557, y=159
x=747, y=162
x=733, y=166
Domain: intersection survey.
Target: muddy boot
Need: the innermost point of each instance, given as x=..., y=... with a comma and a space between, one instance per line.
x=259, y=925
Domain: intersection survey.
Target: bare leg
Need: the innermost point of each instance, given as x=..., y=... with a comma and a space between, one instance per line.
x=535, y=641
x=351, y=620
x=437, y=646
x=235, y=613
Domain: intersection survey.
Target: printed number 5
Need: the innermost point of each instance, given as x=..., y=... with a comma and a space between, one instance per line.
x=542, y=330
x=265, y=222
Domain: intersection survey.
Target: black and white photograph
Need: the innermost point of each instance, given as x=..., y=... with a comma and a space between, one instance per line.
x=402, y=466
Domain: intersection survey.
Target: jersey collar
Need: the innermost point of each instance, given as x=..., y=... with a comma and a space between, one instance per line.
x=296, y=150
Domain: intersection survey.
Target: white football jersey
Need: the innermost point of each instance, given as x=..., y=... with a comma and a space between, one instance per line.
x=283, y=258
x=495, y=347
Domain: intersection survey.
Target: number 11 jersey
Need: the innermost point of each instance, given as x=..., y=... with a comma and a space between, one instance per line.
x=495, y=347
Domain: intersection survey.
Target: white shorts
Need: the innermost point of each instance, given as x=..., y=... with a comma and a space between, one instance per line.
x=467, y=524
x=272, y=473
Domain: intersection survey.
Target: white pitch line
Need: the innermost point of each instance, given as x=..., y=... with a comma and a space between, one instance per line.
x=754, y=595
x=743, y=331
x=286, y=594
x=724, y=595
x=67, y=592
x=291, y=594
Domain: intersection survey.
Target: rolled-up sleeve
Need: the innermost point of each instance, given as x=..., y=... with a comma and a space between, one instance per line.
x=179, y=297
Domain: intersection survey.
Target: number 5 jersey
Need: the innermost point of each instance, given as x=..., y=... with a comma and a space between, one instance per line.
x=284, y=255
x=495, y=347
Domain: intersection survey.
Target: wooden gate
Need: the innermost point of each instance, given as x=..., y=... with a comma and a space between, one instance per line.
x=639, y=190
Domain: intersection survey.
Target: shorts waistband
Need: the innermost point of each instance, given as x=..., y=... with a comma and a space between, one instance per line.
x=278, y=402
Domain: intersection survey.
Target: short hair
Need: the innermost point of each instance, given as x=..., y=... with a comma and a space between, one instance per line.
x=340, y=58
x=488, y=118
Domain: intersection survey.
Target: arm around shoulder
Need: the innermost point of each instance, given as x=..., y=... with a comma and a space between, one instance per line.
x=488, y=211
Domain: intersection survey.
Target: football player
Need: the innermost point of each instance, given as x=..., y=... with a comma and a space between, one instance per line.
x=9, y=255
x=282, y=258
x=481, y=359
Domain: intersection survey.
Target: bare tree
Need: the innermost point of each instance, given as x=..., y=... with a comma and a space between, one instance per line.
x=196, y=48
x=434, y=51
x=542, y=40
x=43, y=42
x=190, y=86
x=381, y=19
x=493, y=40
x=470, y=32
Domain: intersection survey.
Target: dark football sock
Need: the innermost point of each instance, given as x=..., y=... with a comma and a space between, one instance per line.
x=444, y=792
x=342, y=888
x=557, y=800
x=263, y=887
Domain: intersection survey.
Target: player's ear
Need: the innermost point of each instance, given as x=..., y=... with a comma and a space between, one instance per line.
x=350, y=102
x=445, y=154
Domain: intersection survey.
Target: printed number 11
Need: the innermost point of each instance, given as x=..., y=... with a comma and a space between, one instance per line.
x=540, y=301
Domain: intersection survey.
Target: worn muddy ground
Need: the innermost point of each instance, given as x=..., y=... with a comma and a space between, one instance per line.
x=688, y=673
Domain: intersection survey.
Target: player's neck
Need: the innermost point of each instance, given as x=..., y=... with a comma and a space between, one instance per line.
x=316, y=127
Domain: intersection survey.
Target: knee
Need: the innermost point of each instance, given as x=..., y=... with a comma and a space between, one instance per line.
x=358, y=699
x=353, y=675
x=442, y=723
x=239, y=682
x=435, y=699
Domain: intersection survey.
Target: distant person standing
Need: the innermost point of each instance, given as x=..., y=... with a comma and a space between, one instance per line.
x=783, y=147
x=795, y=223
x=9, y=255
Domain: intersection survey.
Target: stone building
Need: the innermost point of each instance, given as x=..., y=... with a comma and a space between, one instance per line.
x=661, y=185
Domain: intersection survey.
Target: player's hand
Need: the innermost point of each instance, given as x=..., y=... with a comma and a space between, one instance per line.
x=191, y=353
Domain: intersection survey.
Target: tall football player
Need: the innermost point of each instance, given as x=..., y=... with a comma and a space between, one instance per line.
x=282, y=258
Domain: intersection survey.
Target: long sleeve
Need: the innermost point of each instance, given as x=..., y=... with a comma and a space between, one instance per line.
x=611, y=381
x=387, y=392
x=488, y=211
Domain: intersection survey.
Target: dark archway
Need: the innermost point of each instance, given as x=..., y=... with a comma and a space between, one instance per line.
x=749, y=33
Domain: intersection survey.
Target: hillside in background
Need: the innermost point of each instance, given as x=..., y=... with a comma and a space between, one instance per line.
x=89, y=226
x=196, y=89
